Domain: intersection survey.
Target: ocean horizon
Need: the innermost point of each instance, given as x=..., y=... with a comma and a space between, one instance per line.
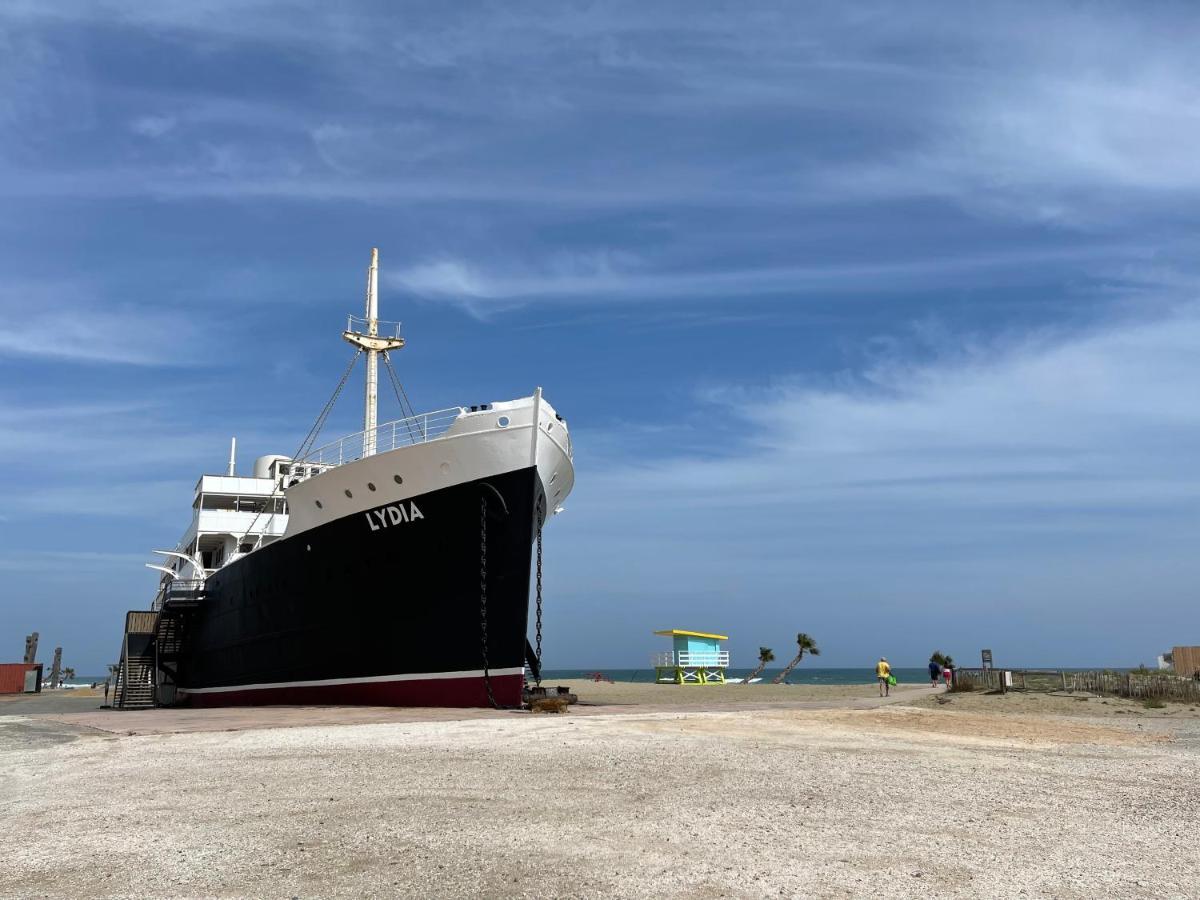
x=800, y=675
x=854, y=675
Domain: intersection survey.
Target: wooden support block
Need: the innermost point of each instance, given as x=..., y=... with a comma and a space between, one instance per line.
x=549, y=705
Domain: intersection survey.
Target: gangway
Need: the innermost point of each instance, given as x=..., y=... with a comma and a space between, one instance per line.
x=148, y=673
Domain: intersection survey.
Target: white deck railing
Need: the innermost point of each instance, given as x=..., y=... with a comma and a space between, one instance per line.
x=388, y=436
x=359, y=325
x=689, y=659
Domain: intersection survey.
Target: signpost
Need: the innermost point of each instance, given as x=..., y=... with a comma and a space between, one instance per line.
x=987, y=659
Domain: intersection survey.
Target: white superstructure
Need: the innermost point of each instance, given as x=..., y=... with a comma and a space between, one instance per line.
x=231, y=515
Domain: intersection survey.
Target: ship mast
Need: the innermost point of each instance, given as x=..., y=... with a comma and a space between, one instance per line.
x=372, y=344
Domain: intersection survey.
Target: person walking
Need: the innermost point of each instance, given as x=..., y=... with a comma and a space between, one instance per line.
x=883, y=672
x=935, y=673
x=948, y=674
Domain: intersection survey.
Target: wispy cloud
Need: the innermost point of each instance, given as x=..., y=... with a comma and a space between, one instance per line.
x=67, y=563
x=617, y=276
x=92, y=446
x=647, y=106
x=153, y=126
x=58, y=318
x=115, y=498
x=127, y=337
x=1090, y=422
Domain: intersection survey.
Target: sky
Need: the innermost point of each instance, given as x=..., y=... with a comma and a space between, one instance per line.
x=877, y=322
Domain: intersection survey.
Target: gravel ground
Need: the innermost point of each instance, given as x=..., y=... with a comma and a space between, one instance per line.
x=897, y=801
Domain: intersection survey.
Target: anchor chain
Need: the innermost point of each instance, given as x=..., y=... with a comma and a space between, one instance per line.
x=538, y=647
x=487, y=676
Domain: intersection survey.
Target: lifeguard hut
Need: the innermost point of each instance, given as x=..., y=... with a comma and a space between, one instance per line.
x=695, y=657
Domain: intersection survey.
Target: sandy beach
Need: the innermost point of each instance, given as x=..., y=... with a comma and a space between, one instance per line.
x=1070, y=705
x=607, y=801
x=731, y=696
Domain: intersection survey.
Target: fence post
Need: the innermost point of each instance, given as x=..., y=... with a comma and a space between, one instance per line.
x=1064, y=679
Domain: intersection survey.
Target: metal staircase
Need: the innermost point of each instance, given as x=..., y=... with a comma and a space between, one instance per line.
x=179, y=603
x=152, y=645
x=136, y=671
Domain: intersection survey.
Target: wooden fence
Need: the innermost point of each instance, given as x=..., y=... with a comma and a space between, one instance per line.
x=1131, y=684
x=1123, y=684
x=1037, y=680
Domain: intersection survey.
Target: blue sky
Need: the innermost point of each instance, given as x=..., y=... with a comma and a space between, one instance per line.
x=875, y=322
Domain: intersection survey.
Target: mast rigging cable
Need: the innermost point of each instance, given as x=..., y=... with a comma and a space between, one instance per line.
x=305, y=446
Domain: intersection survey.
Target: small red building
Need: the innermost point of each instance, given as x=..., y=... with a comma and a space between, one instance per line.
x=20, y=678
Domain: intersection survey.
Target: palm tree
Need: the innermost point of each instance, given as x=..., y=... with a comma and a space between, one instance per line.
x=804, y=644
x=765, y=655
x=68, y=674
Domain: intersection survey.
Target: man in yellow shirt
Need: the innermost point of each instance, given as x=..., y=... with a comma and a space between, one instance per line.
x=882, y=672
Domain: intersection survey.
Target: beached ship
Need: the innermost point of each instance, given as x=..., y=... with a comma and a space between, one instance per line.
x=359, y=571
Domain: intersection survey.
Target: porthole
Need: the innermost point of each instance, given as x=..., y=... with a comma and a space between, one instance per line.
x=549, y=425
x=319, y=505
x=554, y=478
x=348, y=494
x=397, y=479
x=503, y=421
x=370, y=485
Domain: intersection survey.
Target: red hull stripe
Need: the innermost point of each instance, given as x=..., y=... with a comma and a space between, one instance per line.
x=444, y=689
x=365, y=679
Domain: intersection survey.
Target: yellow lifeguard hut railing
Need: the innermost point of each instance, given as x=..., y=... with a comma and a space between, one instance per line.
x=695, y=657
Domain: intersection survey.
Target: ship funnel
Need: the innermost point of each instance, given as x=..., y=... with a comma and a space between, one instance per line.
x=264, y=464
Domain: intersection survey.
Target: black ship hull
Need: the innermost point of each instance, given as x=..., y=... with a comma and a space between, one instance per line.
x=380, y=607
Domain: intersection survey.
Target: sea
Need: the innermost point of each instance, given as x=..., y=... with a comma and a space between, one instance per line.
x=799, y=675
